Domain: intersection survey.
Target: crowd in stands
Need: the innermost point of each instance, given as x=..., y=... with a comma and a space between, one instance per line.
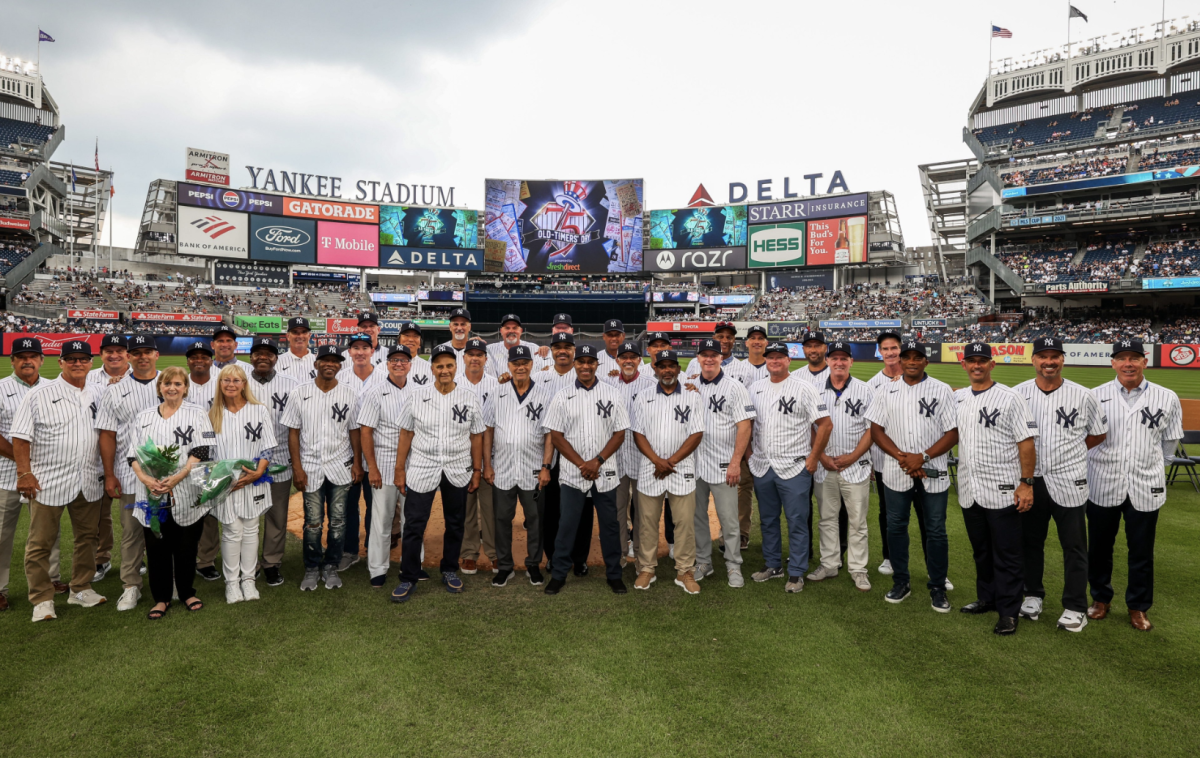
x=1080, y=169
x=1157, y=160
x=14, y=248
x=56, y=294
x=1100, y=329
x=1181, y=330
x=1104, y=262
x=1171, y=259
x=265, y=302
x=1039, y=266
x=955, y=305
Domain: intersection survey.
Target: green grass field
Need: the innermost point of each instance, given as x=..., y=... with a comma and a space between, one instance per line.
x=755, y=671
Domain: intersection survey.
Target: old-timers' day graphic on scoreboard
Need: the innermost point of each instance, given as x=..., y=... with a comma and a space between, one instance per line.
x=411, y=226
x=698, y=227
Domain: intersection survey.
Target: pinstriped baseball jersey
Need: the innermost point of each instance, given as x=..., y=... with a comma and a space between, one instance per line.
x=302, y=369
x=274, y=394
x=201, y=395
x=350, y=379
x=1130, y=461
x=99, y=378
x=460, y=364
x=784, y=414
x=914, y=417
x=12, y=392
x=420, y=374
x=848, y=412
x=519, y=434
x=755, y=373
x=379, y=408
x=606, y=364
x=187, y=427
x=1065, y=418
x=877, y=456
x=442, y=426
x=122, y=403
x=56, y=419
x=378, y=358
x=249, y=434
x=486, y=388
x=666, y=421
x=497, y=362
x=724, y=403
x=588, y=418
x=731, y=367
x=552, y=381
x=629, y=458
x=990, y=424
x=325, y=420
x=817, y=380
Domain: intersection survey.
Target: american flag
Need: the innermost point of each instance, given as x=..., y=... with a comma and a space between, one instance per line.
x=1000, y=31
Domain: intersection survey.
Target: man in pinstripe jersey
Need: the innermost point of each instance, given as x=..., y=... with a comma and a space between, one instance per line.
x=273, y=388
x=632, y=380
x=479, y=530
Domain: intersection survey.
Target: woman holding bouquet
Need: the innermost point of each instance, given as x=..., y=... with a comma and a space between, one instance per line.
x=244, y=430
x=177, y=435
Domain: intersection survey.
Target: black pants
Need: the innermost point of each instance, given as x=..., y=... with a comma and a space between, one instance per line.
x=883, y=527
x=574, y=504
x=417, y=506
x=550, y=517
x=1140, y=527
x=504, y=505
x=1072, y=535
x=171, y=559
x=995, y=535
x=843, y=523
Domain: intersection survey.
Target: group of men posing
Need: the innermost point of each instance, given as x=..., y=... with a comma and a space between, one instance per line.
x=574, y=432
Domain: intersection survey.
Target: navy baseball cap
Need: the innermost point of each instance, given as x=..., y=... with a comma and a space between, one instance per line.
x=837, y=346
x=519, y=353
x=977, y=350
x=222, y=329
x=367, y=317
x=475, y=344
x=666, y=355
x=510, y=317
x=1128, y=346
x=443, y=350
x=653, y=336
x=629, y=347
x=910, y=346
x=399, y=350
x=712, y=345
x=410, y=326
x=27, y=345
x=562, y=337
x=75, y=347
x=329, y=351
x=460, y=313
x=813, y=337
x=112, y=340
x=264, y=342
x=1047, y=343
x=888, y=335
x=725, y=325
x=359, y=338
x=299, y=322
x=142, y=342
x=757, y=329
x=199, y=347
x=585, y=351
x=614, y=325
x=776, y=347
x=561, y=318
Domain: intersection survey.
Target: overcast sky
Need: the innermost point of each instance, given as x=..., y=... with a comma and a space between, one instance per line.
x=450, y=93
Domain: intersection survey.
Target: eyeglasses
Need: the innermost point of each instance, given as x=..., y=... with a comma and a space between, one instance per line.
x=83, y=359
x=398, y=359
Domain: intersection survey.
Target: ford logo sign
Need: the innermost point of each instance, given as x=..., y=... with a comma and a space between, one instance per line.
x=288, y=236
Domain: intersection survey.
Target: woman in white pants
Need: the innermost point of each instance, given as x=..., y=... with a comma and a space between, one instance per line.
x=244, y=429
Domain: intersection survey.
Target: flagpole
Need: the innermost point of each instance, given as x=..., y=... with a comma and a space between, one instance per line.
x=110, y=222
x=991, y=36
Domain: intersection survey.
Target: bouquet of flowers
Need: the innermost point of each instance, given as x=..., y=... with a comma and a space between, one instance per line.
x=216, y=478
x=158, y=462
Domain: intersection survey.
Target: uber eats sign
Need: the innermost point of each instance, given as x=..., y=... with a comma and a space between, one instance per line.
x=774, y=245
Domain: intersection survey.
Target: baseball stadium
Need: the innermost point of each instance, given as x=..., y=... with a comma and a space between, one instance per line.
x=438, y=567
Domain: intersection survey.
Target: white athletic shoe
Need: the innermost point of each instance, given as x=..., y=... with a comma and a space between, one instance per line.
x=629, y=552
x=249, y=591
x=1072, y=621
x=671, y=550
x=735, y=578
x=87, y=598
x=129, y=599
x=233, y=593
x=102, y=570
x=702, y=570
x=949, y=585
x=44, y=611
x=1031, y=608
x=885, y=568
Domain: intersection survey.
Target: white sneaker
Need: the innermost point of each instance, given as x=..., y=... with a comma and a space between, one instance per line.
x=233, y=593
x=129, y=599
x=87, y=598
x=822, y=573
x=249, y=591
x=861, y=581
x=629, y=552
x=949, y=584
x=885, y=568
x=1072, y=621
x=44, y=611
x=102, y=570
x=1031, y=608
x=671, y=550
x=735, y=578
x=702, y=570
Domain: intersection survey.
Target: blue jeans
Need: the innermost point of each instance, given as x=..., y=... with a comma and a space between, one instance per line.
x=937, y=547
x=352, y=516
x=314, y=520
x=790, y=496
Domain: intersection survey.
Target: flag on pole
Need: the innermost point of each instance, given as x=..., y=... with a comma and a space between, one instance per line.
x=73, y=178
x=43, y=37
x=1076, y=13
x=1000, y=31
x=97, y=154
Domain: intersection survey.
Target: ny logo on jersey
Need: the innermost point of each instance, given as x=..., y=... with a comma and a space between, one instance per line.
x=1066, y=420
x=460, y=413
x=787, y=405
x=928, y=407
x=716, y=404
x=853, y=408
x=988, y=419
x=421, y=379
x=277, y=402
x=483, y=399
x=604, y=409
x=534, y=413
x=254, y=432
x=682, y=414
x=1151, y=420
x=339, y=411
x=184, y=437
x=93, y=409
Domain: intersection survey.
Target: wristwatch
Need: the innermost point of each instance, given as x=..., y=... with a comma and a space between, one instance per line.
x=546, y=466
x=1027, y=480
x=600, y=458
x=925, y=457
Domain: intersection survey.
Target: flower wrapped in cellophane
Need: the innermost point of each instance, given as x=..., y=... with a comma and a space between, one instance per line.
x=158, y=462
x=216, y=478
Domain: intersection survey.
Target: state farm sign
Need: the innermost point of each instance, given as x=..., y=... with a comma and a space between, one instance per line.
x=211, y=318
x=98, y=315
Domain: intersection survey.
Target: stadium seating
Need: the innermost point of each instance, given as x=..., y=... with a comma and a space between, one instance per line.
x=15, y=132
x=11, y=178
x=1171, y=259
x=1066, y=128
x=1078, y=169
x=61, y=294
x=336, y=302
x=1039, y=266
x=1155, y=160
x=13, y=250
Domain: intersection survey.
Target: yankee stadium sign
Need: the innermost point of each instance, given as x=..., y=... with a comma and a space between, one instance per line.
x=320, y=185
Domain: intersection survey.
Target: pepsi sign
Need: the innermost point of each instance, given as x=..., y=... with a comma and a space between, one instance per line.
x=202, y=196
x=286, y=240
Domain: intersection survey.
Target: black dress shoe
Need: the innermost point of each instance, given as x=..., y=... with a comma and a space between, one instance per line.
x=1006, y=625
x=977, y=608
x=618, y=587
x=581, y=570
x=209, y=573
x=274, y=577
x=554, y=586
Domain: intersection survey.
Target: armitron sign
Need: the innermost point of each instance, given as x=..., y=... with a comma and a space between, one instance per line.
x=207, y=166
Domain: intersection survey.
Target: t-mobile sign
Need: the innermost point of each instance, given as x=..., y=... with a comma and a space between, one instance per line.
x=347, y=244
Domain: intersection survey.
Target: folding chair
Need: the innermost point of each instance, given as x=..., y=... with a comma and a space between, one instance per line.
x=952, y=470
x=1181, y=460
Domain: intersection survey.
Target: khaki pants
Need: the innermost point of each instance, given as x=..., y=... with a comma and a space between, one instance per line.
x=275, y=525
x=210, y=542
x=480, y=525
x=831, y=493
x=626, y=529
x=44, y=524
x=745, y=503
x=133, y=542
x=10, y=514
x=649, y=514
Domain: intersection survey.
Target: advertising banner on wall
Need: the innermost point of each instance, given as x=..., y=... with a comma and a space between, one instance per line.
x=775, y=245
x=52, y=343
x=878, y=323
x=410, y=226
x=251, y=274
x=94, y=315
x=1171, y=283
x=344, y=244
x=692, y=327
x=803, y=210
x=1017, y=353
x=206, y=166
x=212, y=233
x=1179, y=356
x=332, y=210
x=200, y=318
x=822, y=277
x=429, y=259
x=713, y=227
x=837, y=240
x=1076, y=288
x=14, y=223
x=229, y=199
x=928, y=323
x=784, y=328
x=393, y=297
x=573, y=226
x=686, y=259
x=288, y=240
x=445, y=295
x=676, y=297
x=1087, y=355
x=727, y=299
x=260, y=324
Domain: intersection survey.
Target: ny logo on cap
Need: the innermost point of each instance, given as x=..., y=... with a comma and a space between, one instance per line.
x=522, y=352
x=76, y=345
x=682, y=414
x=26, y=343
x=604, y=409
x=1066, y=420
x=254, y=432
x=534, y=413
x=988, y=419
x=339, y=411
x=1149, y=420
x=184, y=437
x=140, y=340
x=586, y=350
x=460, y=413
x=928, y=407
x=1126, y=343
x=716, y=405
